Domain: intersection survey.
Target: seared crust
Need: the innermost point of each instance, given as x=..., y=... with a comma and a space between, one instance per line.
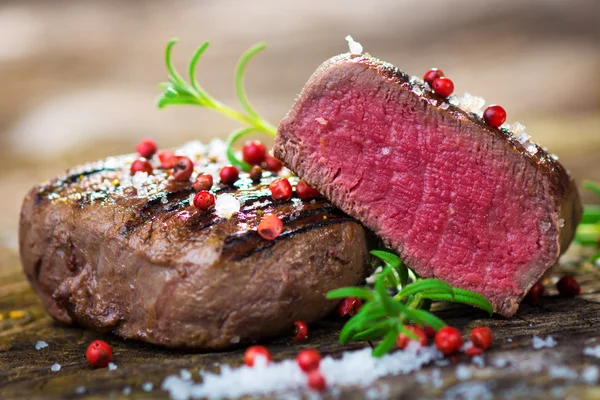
x=156, y=269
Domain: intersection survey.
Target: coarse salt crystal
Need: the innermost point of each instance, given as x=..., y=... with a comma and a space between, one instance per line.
x=554, y=157
x=592, y=351
x=517, y=128
x=590, y=374
x=185, y=374
x=385, y=151
x=235, y=339
x=500, y=362
x=40, y=344
x=545, y=225
x=454, y=100
x=147, y=387
x=191, y=198
x=463, y=373
x=444, y=106
x=80, y=390
x=562, y=371
x=539, y=343
x=112, y=366
x=531, y=148
x=417, y=90
x=416, y=79
x=478, y=360
x=55, y=367
x=561, y=223
x=355, y=47
x=470, y=103
x=509, y=340
x=126, y=390
x=164, y=200
x=226, y=205
x=139, y=179
x=321, y=120
x=523, y=137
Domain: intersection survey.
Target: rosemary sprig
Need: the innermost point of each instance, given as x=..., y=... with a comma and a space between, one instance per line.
x=588, y=231
x=179, y=92
x=395, y=302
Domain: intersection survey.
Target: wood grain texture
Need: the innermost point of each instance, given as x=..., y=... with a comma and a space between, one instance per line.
x=575, y=323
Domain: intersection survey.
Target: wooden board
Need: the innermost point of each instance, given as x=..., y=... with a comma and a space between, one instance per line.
x=575, y=323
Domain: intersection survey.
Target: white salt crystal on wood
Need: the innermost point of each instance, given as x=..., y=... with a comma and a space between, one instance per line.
x=80, y=390
x=463, y=373
x=478, y=360
x=539, y=343
x=55, y=367
x=562, y=371
x=40, y=344
x=531, y=148
x=147, y=387
x=517, y=128
x=112, y=366
x=355, y=47
x=592, y=351
x=590, y=374
x=523, y=137
x=126, y=391
x=561, y=223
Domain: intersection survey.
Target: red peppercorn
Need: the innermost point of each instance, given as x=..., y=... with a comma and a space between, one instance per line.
x=270, y=227
x=568, y=287
x=316, y=380
x=203, y=182
x=254, y=152
x=204, y=200
x=308, y=360
x=306, y=192
x=535, y=293
x=281, y=189
x=473, y=351
x=140, y=166
x=403, y=340
x=482, y=337
x=229, y=174
x=167, y=159
x=448, y=340
x=99, y=354
x=272, y=164
x=432, y=75
x=494, y=115
x=253, y=352
x=301, y=331
x=183, y=169
x=429, y=331
x=349, y=306
x=146, y=148
x=443, y=86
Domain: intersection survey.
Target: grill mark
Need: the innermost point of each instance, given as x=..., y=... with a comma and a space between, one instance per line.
x=249, y=242
x=70, y=179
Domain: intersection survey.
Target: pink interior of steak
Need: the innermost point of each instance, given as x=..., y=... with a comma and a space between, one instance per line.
x=459, y=203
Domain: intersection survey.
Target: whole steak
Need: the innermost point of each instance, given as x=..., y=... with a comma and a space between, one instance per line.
x=459, y=200
x=133, y=257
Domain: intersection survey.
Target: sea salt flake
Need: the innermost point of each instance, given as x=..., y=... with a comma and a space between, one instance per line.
x=415, y=79
x=126, y=390
x=478, y=360
x=139, y=179
x=590, y=374
x=454, y=100
x=355, y=47
x=531, y=148
x=562, y=371
x=444, y=106
x=517, y=128
x=592, y=351
x=55, y=367
x=523, y=137
x=80, y=390
x=147, y=387
x=554, y=157
x=470, y=103
x=539, y=343
x=40, y=344
x=164, y=200
x=226, y=205
x=417, y=90
x=561, y=223
x=463, y=373
x=321, y=121
x=509, y=340
x=500, y=362
x=112, y=366
x=545, y=225
x=191, y=198
x=185, y=374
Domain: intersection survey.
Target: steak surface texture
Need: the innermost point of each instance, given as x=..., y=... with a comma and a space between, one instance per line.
x=131, y=255
x=458, y=199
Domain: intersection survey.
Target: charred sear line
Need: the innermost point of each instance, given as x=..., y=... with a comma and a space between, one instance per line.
x=70, y=179
x=155, y=206
x=240, y=246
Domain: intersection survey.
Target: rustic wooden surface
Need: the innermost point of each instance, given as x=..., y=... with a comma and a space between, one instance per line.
x=575, y=323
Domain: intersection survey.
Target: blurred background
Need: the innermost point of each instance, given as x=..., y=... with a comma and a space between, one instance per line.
x=78, y=78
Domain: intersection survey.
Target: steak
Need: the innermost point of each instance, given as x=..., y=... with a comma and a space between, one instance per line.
x=133, y=257
x=459, y=200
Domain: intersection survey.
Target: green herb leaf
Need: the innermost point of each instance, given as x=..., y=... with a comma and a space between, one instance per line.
x=423, y=286
x=394, y=262
x=462, y=296
x=387, y=344
x=342, y=293
x=593, y=186
x=425, y=317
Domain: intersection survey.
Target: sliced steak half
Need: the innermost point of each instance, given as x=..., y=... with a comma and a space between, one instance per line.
x=135, y=258
x=458, y=199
